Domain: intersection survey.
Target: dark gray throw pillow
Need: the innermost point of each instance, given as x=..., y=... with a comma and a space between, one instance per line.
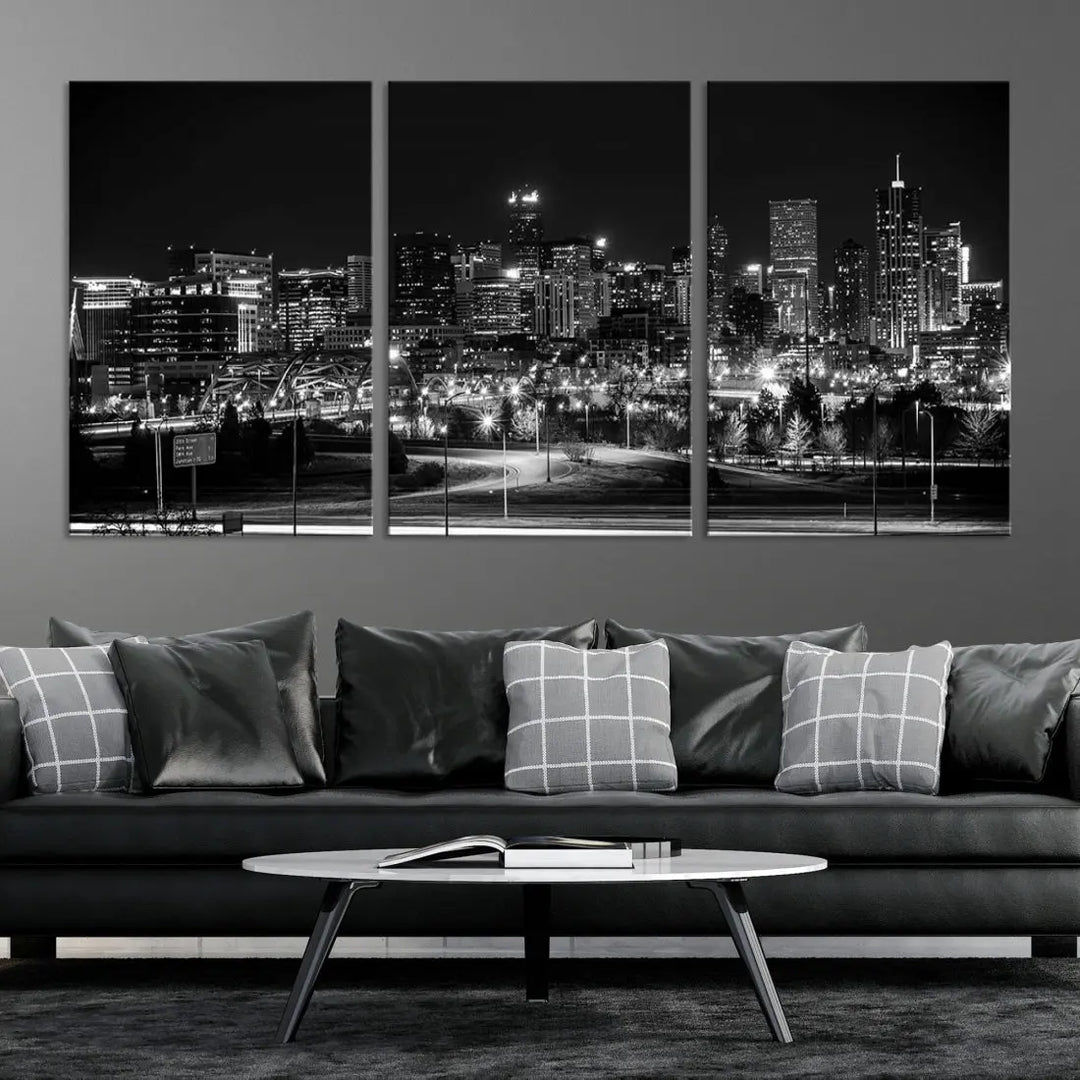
x=205, y=714
x=1005, y=705
x=290, y=643
x=425, y=708
x=726, y=708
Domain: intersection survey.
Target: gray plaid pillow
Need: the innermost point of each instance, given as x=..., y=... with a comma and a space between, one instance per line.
x=74, y=719
x=858, y=721
x=588, y=719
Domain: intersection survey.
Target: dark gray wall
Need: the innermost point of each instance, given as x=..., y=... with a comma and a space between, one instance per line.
x=1023, y=587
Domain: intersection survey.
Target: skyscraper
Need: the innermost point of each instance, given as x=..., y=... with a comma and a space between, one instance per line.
x=484, y=259
x=358, y=274
x=556, y=307
x=717, y=285
x=851, y=298
x=638, y=286
x=103, y=310
x=942, y=271
x=495, y=305
x=900, y=307
x=423, y=280
x=525, y=236
x=574, y=257
x=184, y=328
x=243, y=273
x=793, y=252
x=309, y=303
x=750, y=277
x=680, y=285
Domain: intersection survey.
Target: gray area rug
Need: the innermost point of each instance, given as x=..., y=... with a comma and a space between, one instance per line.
x=201, y=1019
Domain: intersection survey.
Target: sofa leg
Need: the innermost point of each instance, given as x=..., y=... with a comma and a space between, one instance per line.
x=1053, y=945
x=33, y=947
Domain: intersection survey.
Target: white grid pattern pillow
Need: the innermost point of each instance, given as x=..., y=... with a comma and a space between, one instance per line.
x=859, y=721
x=588, y=719
x=73, y=716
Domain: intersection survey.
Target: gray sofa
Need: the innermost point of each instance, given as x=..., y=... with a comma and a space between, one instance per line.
x=988, y=862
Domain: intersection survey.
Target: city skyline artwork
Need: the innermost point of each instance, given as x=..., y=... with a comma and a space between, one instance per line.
x=860, y=377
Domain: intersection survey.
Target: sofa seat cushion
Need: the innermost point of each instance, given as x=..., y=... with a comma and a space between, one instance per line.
x=214, y=826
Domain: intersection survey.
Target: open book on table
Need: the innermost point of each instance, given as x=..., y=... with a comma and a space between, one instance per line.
x=525, y=852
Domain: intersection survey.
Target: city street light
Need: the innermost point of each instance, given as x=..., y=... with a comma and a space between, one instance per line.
x=547, y=435
x=919, y=411
x=446, y=479
x=487, y=425
x=578, y=406
x=873, y=422
x=445, y=429
x=629, y=410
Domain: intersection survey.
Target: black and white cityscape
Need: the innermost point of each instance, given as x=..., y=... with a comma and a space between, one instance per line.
x=220, y=308
x=858, y=322
x=540, y=314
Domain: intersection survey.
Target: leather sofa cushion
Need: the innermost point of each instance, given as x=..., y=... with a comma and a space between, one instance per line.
x=424, y=708
x=208, y=826
x=726, y=711
x=290, y=642
x=205, y=714
x=1006, y=703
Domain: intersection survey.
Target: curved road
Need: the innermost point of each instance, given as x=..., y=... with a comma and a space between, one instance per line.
x=525, y=466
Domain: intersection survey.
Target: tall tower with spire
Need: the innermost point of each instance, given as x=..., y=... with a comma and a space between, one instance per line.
x=525, y=238
x=899, y=302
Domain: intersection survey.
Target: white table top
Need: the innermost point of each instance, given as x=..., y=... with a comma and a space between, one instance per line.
x=692, y=865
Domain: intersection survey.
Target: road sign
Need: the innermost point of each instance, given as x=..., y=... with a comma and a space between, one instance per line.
x=200, y=449
x=933, y=492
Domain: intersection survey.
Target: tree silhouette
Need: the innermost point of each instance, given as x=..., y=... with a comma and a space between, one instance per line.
x=833, y=440
x=229, y=428
x=767, y=439
x=885, y=441
x=732, y=436
x=804, y=400
x=980, y=436
x=624, y=386
x=766, y=410
x=798, y=438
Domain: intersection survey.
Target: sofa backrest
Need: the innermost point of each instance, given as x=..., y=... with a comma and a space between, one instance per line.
x=328, y=718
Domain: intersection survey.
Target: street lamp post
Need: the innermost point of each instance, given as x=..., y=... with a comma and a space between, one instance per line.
x=806, y=324
x=629, y=410
x=873, y=422
x=487, y=425
x=446, y=478
x=547, y=436
x=506, y=493
x=295, y=425
x=933, y=491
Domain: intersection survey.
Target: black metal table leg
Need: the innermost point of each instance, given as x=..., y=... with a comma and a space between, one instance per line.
x=537, y=904
x=335, y=903
x=732, y=903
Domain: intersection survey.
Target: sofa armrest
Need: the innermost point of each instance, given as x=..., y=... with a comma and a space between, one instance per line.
x=11, y=760
x=1072, y=744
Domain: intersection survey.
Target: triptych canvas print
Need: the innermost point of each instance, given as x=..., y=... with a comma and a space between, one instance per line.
x=539, y=369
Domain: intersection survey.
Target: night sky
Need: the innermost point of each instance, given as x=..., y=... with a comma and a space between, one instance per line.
x=610, y=159
x=279, y=167
x=837, y=142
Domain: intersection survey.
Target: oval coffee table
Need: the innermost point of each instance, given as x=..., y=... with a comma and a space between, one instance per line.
x=720, y=872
